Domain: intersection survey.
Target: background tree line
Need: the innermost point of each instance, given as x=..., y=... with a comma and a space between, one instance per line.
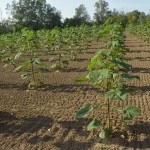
x=37, y=14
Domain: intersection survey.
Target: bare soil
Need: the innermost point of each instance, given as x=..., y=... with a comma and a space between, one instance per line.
x=44, y=119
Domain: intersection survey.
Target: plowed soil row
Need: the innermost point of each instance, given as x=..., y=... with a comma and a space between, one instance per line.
x=44, y=119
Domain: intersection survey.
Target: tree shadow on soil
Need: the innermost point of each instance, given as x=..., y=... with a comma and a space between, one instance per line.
x=140, y=70
x=11, y=125
x=140, y=128
x=139, y=51
x=137, y=132
x=73, y=145
x=97, y=43
x=66, y=88
x=137, y=45
x=11, y=86
x=139, y=89
x=140, y=58
x=74, y=70
x=78, y=127
x=91, y=52
x=127, y=142
x=36, y=139
x=69, y=88
x=134, y=42
x=82, y=59
x=33, y=129
x=94, y=49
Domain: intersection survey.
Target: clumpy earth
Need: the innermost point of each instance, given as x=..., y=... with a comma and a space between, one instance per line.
x=44, y=119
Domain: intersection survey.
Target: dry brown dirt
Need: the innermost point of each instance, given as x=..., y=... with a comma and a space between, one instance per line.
x=44, y=119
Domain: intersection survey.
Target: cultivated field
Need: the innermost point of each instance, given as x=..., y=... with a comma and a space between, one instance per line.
x=44, y=119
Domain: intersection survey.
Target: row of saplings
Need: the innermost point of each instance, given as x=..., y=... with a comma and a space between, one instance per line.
x=109, y=71
x=141, y=30
x=24, y=51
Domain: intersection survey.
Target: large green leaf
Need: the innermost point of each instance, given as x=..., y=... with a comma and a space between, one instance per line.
x=83, y=111
x=37, y=61
x=122, y=93
x=93, y=124
x=117, y=94
x=110, y=94
x=95, y=60
x=97, y=75
x=131, y=110
x=105, y=73
x=127, y=120
x=94, y=76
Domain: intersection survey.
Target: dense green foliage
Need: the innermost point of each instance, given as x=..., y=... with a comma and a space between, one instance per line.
x=81, y=17
x=37, y=14
x=101, y=11
x=34, y=14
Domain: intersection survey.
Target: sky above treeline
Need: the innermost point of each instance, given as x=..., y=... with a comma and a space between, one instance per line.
x=67, y=7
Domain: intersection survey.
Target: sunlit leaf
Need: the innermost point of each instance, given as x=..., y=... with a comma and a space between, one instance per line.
x=18, y=55
x=127, y=120
x=93, y=124
x=56, y=66
x=131, y=110
x=37, y=61
x=83, y=111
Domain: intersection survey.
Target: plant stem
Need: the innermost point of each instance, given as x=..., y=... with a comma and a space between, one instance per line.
x=108, y=109
x=33, y=76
